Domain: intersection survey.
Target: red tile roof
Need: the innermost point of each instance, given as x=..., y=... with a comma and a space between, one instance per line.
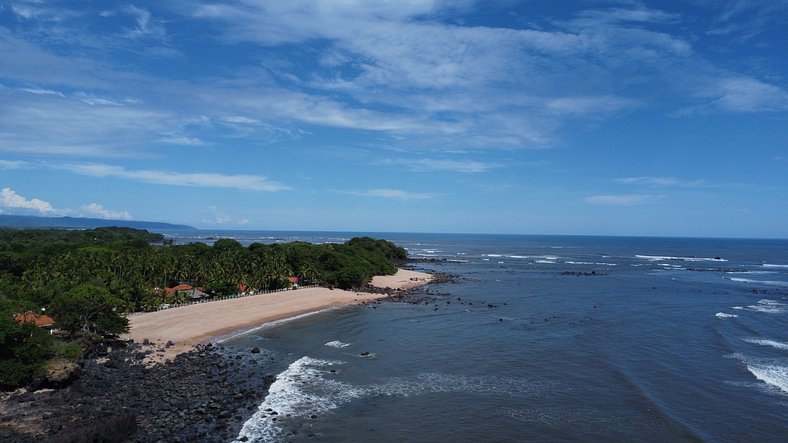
x=37, y=319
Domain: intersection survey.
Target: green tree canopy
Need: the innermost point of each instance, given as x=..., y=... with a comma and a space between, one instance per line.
x=23, y=347
x=89, y=308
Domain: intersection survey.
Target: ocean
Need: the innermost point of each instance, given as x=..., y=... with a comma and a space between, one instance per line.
x=540, y=338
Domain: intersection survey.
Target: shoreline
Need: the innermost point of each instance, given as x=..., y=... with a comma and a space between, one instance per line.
x=179, y=330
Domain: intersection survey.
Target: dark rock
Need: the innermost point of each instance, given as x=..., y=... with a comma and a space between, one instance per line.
x=56, y=373
x=255, y=350
x=115, y=429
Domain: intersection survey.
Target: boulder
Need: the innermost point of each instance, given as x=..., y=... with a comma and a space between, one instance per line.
x=56, y=373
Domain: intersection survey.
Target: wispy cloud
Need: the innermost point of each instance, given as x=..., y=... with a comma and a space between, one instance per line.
x=43, y=92
x=430, y=165
x=738, y=95
x=392, y=194
x=622, y=200
x=13, y=164
x=394, y=68
x=172, y=178
x=661, y=181
x=749, y=18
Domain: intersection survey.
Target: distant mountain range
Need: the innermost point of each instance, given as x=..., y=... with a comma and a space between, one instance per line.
x=29, y=221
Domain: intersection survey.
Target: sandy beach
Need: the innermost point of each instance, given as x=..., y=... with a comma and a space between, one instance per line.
x=188, y=326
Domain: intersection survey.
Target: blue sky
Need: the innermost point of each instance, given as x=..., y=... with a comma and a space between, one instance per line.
x=574, y=117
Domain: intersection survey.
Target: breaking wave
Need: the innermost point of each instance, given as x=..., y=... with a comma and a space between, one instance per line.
x=760, y=282
x=671, y=258
x=772, y=375
x=305, y=390
x=766, y=342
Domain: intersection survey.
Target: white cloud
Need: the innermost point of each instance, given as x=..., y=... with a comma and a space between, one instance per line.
x=145, y=25
x=622, y=200
x=590, y=105
x=43, y=92
x=172, y=178
x=661, y=181
x=13, y=164
x=739, y=94
x=745, y=94
x=97, y=210
x=239, y=120
x=428, y=165
x=45, y=124
x=393, y=194
x=219, y=217
x=182, y=140
x=12, y=200
x=398, y=68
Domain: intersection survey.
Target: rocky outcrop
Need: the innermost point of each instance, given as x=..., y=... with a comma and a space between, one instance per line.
x=56, y=373
x=204, y=395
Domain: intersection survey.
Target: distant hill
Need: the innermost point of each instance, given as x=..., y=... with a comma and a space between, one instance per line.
x=29, y=221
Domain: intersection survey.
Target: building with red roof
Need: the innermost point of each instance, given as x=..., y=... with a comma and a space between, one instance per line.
x=40, y=320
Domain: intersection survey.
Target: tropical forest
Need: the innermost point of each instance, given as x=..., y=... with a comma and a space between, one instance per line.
x=85, y=281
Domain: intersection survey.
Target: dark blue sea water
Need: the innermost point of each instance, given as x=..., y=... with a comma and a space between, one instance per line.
x=543, y=338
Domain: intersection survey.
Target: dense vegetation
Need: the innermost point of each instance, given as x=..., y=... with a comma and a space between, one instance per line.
x=85, y=279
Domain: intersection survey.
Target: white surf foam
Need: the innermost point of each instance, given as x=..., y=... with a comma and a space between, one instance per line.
x=724, y=315
x=772, y=375
x=272, y=324
x=751, y=272
x=770, y=265
x=772, y=372
x=572, y=262
x=767, y=306
x=672, y=258
x=305, y=389
x=337, y=344
x=766, y=342
x=299, y=391
x=760, y=282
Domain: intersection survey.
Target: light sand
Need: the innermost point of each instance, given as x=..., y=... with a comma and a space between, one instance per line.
x=188, y=326
x=403, y=279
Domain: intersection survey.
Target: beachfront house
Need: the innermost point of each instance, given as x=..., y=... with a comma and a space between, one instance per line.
x=40, y=320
